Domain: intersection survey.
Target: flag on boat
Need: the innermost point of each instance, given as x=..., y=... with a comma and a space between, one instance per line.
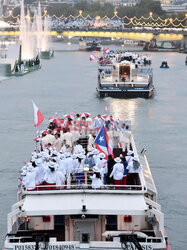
x=38, y=116
x=92, y=57
x=107, y=51
x=102, y=142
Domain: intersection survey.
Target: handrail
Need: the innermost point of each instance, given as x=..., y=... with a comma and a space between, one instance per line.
x=125, y=188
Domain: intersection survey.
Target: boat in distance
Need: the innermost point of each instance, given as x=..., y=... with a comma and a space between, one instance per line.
x=87, y=212
x=125, y=77
x=85, y=45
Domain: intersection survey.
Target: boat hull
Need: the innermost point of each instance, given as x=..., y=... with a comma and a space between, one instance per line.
x=27, y=70
x=90, y=49
x=46, y=54
x=125, y=93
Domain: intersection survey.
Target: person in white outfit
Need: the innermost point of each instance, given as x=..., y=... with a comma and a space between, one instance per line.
x=60, y=178
x=133, y=168
x=30, y=179
x=102, y=165
x=95, y=157
x=68, y=137
x=50, y=176
x=80, y=169
x=77, y=147
x=96, y=179
x=129, y=156
x=117, y=172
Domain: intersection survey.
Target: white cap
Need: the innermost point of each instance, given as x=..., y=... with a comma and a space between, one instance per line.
x=38, y=161
x=24, y=172
x=130, y=152
x=74, y=156
x=118, y=160
x=39, y=155
x=52, y=165
x=95, y=169
x=101, y=155
x=30, y=168
x=55, y=153
x=96, y=151
x=62, y=156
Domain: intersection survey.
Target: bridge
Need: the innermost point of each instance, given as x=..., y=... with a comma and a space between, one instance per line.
x=140, y=34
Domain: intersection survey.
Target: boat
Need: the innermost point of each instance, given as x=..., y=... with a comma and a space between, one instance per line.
x=125, y=80
x=89, y=45
x=19, y=67
x=164, y=65
x=78, y=216
x=47, y=54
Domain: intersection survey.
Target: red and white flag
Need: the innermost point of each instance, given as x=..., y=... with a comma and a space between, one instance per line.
x=107, y=51
x=38, y=116
x=92, y=57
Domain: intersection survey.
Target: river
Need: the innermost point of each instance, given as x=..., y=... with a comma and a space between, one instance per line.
x=67, y=83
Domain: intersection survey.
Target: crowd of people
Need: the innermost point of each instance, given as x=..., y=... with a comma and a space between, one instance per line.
x=119, y=56
x=70, y=23
x=66, y=155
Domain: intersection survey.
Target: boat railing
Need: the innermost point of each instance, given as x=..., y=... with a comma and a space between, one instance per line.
x=89, y=187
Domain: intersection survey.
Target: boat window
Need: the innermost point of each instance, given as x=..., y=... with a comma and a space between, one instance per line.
x=111, y=222
x=85, y=238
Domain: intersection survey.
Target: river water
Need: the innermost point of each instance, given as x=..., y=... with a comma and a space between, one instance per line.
x=68, y=83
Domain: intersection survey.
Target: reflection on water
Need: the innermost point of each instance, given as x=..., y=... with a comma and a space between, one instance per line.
x=124, y=109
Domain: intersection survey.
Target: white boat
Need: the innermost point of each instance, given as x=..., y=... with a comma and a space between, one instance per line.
x=79, y=217
x=125, y=80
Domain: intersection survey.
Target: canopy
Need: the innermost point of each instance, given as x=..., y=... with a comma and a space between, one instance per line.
x=95, y=203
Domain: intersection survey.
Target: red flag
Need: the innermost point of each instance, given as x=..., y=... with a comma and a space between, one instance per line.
x=38, y=116
x=92, y=57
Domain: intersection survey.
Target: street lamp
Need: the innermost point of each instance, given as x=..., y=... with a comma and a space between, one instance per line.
x=45, y=12
x=10, y=12
x=80, y=12
x=151, y=14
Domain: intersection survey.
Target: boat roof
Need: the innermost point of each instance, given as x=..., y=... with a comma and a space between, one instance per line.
x=94, y=202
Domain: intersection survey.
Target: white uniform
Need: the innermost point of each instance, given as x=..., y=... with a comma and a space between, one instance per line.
x=117, y=172
x=62, y=167
x=60, y=178
x=49, y=139
x=68, y=164
x=132, y=169
x=77, y=149
x=90, y=142
x=58, y=144
x=50, y=177
x=125, y=138
x=89, y=123
x=30, y=180
x=80, y=166
x=96, y=182
x=68, y=137
x=101, y=163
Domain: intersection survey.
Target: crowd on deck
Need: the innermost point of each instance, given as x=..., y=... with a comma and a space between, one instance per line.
x=66, y=155
x=120, y=56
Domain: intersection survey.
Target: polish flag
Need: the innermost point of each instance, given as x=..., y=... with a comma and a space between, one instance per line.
x=92, y=57
x=38, y=116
